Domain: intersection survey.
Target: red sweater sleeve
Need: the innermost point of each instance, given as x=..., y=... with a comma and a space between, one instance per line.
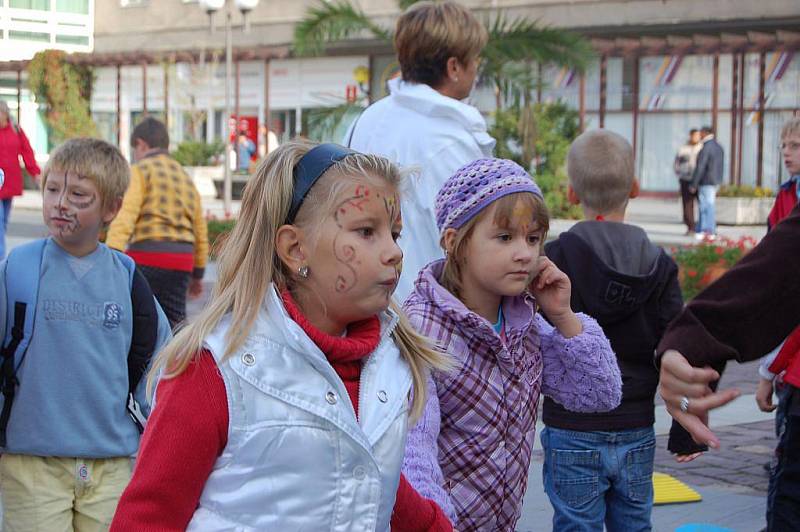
x=185, y=434
x=27, y=155
x=414, y=513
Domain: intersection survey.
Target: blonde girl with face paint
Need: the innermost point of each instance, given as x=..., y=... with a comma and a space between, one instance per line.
x=471, y=449
x=284, y=405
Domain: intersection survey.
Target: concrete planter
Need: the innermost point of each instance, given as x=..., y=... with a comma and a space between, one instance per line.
x=238, y=182
x=204, y=177
x=743, y=211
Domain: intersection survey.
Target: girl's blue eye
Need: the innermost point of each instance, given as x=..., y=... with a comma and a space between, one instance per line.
x=504, y=237
x=366, y=232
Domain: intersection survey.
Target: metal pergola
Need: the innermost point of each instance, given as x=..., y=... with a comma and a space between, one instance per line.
x=736, y=44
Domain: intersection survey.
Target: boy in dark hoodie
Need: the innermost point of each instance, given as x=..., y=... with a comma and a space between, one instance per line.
x=598, y=467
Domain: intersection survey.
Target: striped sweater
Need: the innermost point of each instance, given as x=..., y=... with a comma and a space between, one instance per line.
x=161, y=213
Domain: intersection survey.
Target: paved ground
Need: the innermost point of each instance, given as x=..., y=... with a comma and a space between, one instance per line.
x=731, y=480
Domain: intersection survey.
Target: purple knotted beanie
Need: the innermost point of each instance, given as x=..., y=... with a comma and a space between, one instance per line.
x=475, y=186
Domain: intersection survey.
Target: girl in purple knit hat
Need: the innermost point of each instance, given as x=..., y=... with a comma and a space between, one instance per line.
x=471, y=450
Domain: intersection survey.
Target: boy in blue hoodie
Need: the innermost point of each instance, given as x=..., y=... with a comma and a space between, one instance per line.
x=68, y=435
x=598, y=467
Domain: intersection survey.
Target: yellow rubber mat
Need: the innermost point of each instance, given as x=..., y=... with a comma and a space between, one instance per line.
x=669, y=490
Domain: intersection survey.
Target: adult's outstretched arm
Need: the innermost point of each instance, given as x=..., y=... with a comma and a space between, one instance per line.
x=742, y=316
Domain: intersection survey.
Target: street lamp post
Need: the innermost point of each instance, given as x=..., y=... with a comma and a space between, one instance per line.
x=211, y=7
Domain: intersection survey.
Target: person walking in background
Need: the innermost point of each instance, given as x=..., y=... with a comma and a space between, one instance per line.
x=685, y=162
x=424, y=123
x=706, y=179
x=245, y=148
x=267, y=141
x=13, y=144
x=161, y=222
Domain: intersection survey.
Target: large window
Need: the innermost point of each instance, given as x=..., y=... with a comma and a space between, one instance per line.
x=73, y=6
x=82, y=40
x=29, y=36
x=43, y=5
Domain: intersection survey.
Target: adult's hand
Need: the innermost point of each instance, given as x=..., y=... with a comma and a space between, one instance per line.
x=764, y=395
x=679, y=379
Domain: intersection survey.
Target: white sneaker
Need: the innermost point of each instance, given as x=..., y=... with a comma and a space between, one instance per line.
x=699, y=236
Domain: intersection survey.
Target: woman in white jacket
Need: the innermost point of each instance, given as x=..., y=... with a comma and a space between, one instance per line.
x=424, y=123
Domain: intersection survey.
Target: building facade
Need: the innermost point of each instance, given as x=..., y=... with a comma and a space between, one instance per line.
x=27, y=27
x=662, y=67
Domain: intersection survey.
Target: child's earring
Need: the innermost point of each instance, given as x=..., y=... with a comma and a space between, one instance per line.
x=302, y=271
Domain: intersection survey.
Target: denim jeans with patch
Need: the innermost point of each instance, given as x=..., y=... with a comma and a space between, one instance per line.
x=597, y=478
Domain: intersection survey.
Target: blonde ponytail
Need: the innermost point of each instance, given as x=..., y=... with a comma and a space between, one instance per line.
x=421, y=357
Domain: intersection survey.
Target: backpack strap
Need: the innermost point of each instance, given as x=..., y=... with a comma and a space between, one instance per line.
x=23, y=265
x=143, y=338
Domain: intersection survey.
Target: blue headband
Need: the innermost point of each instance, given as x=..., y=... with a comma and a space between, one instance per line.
x=309, y=169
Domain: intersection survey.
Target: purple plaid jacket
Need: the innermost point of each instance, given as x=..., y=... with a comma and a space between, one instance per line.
x=471, y=450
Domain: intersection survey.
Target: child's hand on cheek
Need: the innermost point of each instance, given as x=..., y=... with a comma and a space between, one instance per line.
x=552, y=289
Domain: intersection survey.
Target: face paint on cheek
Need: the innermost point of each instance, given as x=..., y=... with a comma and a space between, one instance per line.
x=345, y=254
x=72, y=224
x=81, y=205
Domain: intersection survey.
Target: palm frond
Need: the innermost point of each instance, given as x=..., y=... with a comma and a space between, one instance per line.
x=329, y=124
x=330, y=22
x=521, y=39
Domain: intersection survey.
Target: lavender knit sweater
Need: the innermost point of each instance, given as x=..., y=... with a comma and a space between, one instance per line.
x=471, y=450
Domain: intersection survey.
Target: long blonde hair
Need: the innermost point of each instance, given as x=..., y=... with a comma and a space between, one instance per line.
x=248, y=263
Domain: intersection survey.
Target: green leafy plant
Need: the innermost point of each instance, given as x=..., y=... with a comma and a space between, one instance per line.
x=196, y=153
x=538, y=139
x=65, y=90
x=744, y=191
x=218, y=231
x=701, y=264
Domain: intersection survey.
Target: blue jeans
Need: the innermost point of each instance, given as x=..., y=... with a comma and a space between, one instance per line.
x=596, y=478
x=783, y=492
x=5, y=205
x=706, y=196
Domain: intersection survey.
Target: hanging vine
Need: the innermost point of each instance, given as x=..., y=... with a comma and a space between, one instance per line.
x=65, y=90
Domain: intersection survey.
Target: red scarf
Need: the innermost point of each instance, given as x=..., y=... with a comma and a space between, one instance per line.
x=344, y=353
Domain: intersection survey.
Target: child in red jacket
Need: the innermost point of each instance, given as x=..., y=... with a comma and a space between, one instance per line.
x=780, y=372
